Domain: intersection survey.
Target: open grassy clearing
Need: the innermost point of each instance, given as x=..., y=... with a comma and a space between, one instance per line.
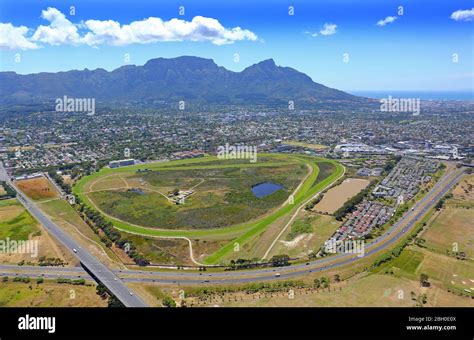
x=448, y=272
x=308, y=233
x=48, y=294
x=38, y=189
x=452, y=227
x=15, y=222
x=306, y=145
x=451, y=231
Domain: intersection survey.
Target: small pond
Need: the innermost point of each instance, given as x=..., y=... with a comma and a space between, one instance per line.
x=264, y=189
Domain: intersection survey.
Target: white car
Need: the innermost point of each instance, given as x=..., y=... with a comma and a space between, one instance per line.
x=74, y=250
x=277, y=275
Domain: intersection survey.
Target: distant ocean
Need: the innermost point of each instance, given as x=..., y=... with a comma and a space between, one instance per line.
x=439, y=95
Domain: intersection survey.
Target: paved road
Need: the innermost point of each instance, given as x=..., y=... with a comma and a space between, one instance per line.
x=98, y=269
x=391, y=236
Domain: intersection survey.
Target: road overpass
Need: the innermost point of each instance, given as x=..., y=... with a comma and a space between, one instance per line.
x=97, y=269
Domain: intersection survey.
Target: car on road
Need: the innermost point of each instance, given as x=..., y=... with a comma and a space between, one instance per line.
x=277, y=274
x=74, y=250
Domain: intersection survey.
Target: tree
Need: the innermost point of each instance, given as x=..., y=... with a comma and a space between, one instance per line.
x=325, y=282
x=280, y=260
x=424, y=280
x=423, y=299
x=317, y=283
x=168, y=302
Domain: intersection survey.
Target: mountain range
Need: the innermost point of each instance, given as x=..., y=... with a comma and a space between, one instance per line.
x=168, y=81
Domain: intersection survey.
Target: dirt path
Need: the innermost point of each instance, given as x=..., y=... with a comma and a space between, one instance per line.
x=290, y=222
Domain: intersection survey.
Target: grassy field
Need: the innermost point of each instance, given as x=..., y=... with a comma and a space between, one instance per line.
x=374, y=290
x=48, y=294
x=306, y=145
x=38, y=189
x=222, y=196
x=17, y=224
x=433, y=253
x=275, y=165
x=308, y=233
x=452, y=226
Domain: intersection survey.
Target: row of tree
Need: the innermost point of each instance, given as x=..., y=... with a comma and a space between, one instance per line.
x=59, y=181
x=110, y=235
x=9, y=191
x=350, y=205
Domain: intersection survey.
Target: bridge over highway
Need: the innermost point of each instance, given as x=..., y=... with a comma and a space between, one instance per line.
x=97, y=269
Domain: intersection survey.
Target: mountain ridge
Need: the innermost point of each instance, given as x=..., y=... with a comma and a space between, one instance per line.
x=169, y=80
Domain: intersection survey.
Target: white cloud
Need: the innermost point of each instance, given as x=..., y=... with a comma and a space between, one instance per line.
x=328, y=29
x=155, y=29
x=463, y=15
x=59, y=31
x=14, y=38
x=387, y=20
x=315, y=34
x=98, y=32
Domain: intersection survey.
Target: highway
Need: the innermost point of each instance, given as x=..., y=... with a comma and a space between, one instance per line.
x=388, y=239
x=97, y=268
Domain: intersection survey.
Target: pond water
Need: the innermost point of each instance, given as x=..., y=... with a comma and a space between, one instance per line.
x=264, y=189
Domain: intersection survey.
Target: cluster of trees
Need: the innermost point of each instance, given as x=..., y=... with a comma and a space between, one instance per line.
x=110, y=235
x=323, y=282
x=71, y=281
x=350, y=204
x=420, y=300
x=10, y=192
x=391, y=164
x=424, y=280
x=280, y=260
x=24, y=279
x=441, y=202
x=167, y=301
x=398, y=249
x=250, y=288
x=104, y=293
x=51, y=261
x=242, y=264
x=313, y=202
x=275, y=261
x=59, y=181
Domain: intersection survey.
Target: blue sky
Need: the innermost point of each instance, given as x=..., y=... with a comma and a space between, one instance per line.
x=414, y=52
